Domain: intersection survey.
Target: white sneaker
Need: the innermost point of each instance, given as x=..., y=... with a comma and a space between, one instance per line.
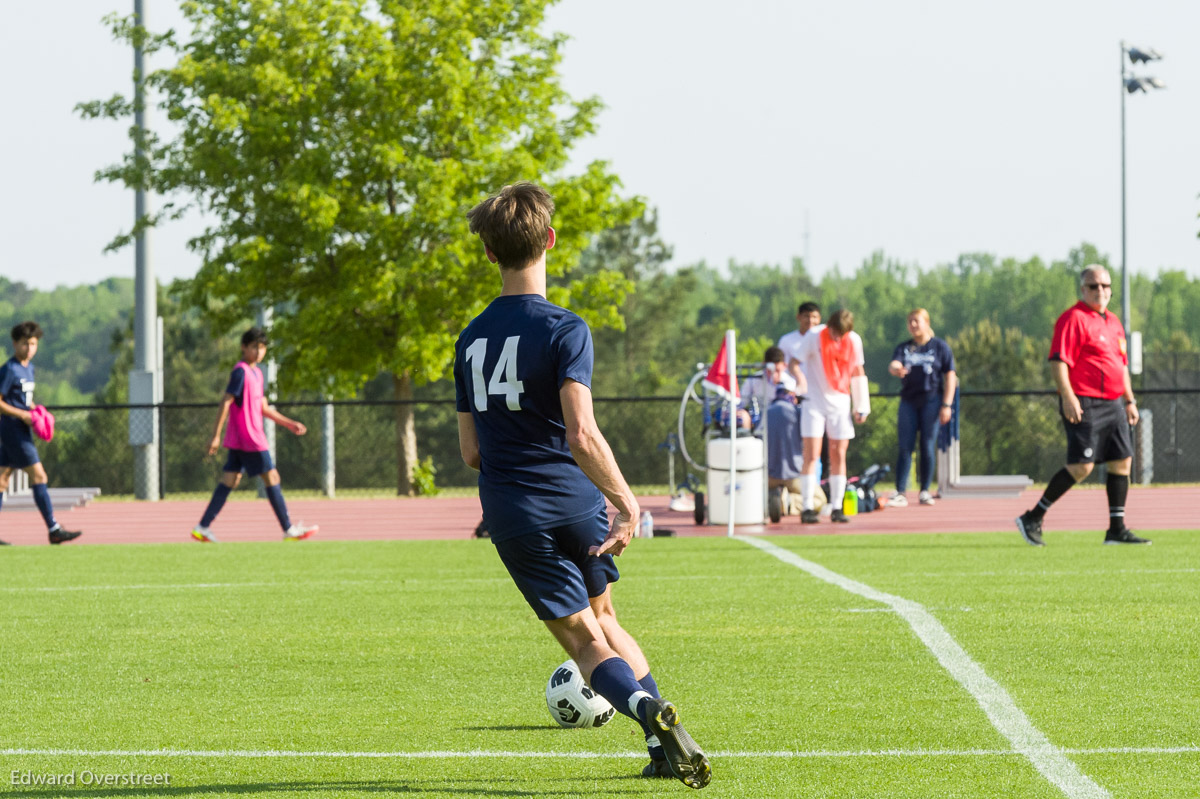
x=203, y=534
x=926, y=498
x=682, y=501
x=897, y=500
x=298, y=532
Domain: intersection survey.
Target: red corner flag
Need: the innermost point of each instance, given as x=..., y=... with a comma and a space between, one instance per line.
x=718, y=378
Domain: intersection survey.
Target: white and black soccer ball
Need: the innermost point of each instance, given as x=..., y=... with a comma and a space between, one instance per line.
x=572, y=703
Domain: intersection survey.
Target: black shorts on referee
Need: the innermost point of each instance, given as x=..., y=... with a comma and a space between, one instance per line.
x=1102, y=434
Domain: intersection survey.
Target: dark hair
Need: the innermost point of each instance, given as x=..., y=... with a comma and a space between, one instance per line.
x=808, y=307
x=842, y=322
x=514, y=223
x=255, y=335
x=773, y=355
x=26, y=330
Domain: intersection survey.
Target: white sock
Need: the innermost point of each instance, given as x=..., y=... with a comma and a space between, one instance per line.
x=808, y=488
x=837, y=487
x=635, y=700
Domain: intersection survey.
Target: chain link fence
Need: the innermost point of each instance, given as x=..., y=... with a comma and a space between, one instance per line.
x=1001, y=433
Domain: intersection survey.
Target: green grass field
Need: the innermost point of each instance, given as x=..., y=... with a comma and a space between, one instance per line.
x=278, y=670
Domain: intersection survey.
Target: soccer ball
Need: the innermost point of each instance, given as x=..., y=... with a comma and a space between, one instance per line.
x=572, y=703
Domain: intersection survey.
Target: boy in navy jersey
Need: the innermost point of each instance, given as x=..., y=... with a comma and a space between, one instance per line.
x=16, y=440
x=522, y=375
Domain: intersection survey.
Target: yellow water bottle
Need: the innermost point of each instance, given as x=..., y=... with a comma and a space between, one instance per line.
x=850, y=501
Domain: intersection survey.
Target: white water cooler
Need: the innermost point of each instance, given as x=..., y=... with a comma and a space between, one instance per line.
x=750, y=488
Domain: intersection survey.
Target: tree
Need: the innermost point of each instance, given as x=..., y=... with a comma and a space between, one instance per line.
x=335, y=146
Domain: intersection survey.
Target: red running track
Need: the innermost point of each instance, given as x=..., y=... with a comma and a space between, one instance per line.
x=1166, y=508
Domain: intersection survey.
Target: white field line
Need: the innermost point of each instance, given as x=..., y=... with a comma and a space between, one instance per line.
x=497, y=754
x=1008, y=719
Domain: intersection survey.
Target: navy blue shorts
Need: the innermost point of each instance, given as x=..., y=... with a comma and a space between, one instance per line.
x=17, y=451
x=554, y=570
x=252, y=463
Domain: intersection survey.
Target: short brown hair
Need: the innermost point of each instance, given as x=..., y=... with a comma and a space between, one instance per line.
x=514, y=223
x=842, y=322
x=26, y=330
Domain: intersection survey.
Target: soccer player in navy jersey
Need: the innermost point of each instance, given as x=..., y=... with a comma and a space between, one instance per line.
x=17, y=450
x=522, y=376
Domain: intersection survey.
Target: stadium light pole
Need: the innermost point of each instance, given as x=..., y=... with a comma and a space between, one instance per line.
x=1130, y=84
x=145, y=381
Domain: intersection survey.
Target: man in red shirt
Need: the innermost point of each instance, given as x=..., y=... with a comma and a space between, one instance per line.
x=1090, y=365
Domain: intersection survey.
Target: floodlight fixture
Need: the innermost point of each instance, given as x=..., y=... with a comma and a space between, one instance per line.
x=1135, y=84
x=1138, y=56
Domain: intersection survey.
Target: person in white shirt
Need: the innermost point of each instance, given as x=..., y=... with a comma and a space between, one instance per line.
x=764, y=384
x=808, y=316
x=831, y=357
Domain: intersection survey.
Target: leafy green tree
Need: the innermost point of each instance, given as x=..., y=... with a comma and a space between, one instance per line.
x=334, y=147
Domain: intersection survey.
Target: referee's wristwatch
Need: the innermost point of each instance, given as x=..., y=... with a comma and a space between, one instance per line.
x=1131, y=402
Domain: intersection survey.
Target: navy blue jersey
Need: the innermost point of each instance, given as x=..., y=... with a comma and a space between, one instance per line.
x=927, y=365
x=237, y=384
x=16, y=388
x=509, y=364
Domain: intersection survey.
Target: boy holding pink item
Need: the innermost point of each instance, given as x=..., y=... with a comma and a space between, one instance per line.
x=245, y=405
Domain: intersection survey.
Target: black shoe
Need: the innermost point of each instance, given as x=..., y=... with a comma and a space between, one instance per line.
x=59, y=535
x=839, y=516
x=1030, y=529
x=1124, y=536
x=5, y=544
x=685, y=760
x=775, y=503
x=809, y=517
x=656, y=768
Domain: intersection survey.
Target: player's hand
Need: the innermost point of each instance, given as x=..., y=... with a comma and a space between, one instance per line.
x=1131, y=413
x=27, y=418
x=859, y=418
x=1072, y=409
x=299, y=429
x=944, y=416
x=901, y=372
x=618, y=537
x=214, y=445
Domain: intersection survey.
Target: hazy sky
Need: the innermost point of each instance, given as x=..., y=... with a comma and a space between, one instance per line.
x=925, y=129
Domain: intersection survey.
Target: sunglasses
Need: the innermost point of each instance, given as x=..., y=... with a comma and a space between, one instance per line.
x=1095, y=286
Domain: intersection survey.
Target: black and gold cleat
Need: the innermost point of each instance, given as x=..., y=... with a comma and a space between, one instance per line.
x=657, y=768
x=683, y=757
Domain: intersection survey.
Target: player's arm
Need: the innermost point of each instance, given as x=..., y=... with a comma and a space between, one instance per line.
x=468, y=440
x=950, y=381
x=1131, y=409
x=222, y=415
x=1062, y=381
x=12, y=410
x=798, y=376
x=595, y=458
x=278, y=418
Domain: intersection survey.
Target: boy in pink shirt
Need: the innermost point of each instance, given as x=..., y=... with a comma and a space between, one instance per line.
x=245, y=405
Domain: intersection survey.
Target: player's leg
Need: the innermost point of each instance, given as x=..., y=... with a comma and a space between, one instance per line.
x=274, y=492
x=837, y=475
x=1081, y=455
x=5, y=473
x=906, y=435
x=812, y=431
x=929, y=419
x=39, y=486
x=231, y=475
x=1116, y=448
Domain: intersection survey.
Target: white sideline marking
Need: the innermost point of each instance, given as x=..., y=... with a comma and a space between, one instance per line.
x=1008, y=719
x=481, y=753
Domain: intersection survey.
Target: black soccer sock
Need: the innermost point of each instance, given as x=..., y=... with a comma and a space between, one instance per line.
x=653, y=747
x=41, y=498
x=275, y=496
x=614, y=680
x=1060, y=483
x=1118, y=489
x=220, y=494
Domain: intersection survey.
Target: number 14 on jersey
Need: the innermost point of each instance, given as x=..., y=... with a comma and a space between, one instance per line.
x=504, y=377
